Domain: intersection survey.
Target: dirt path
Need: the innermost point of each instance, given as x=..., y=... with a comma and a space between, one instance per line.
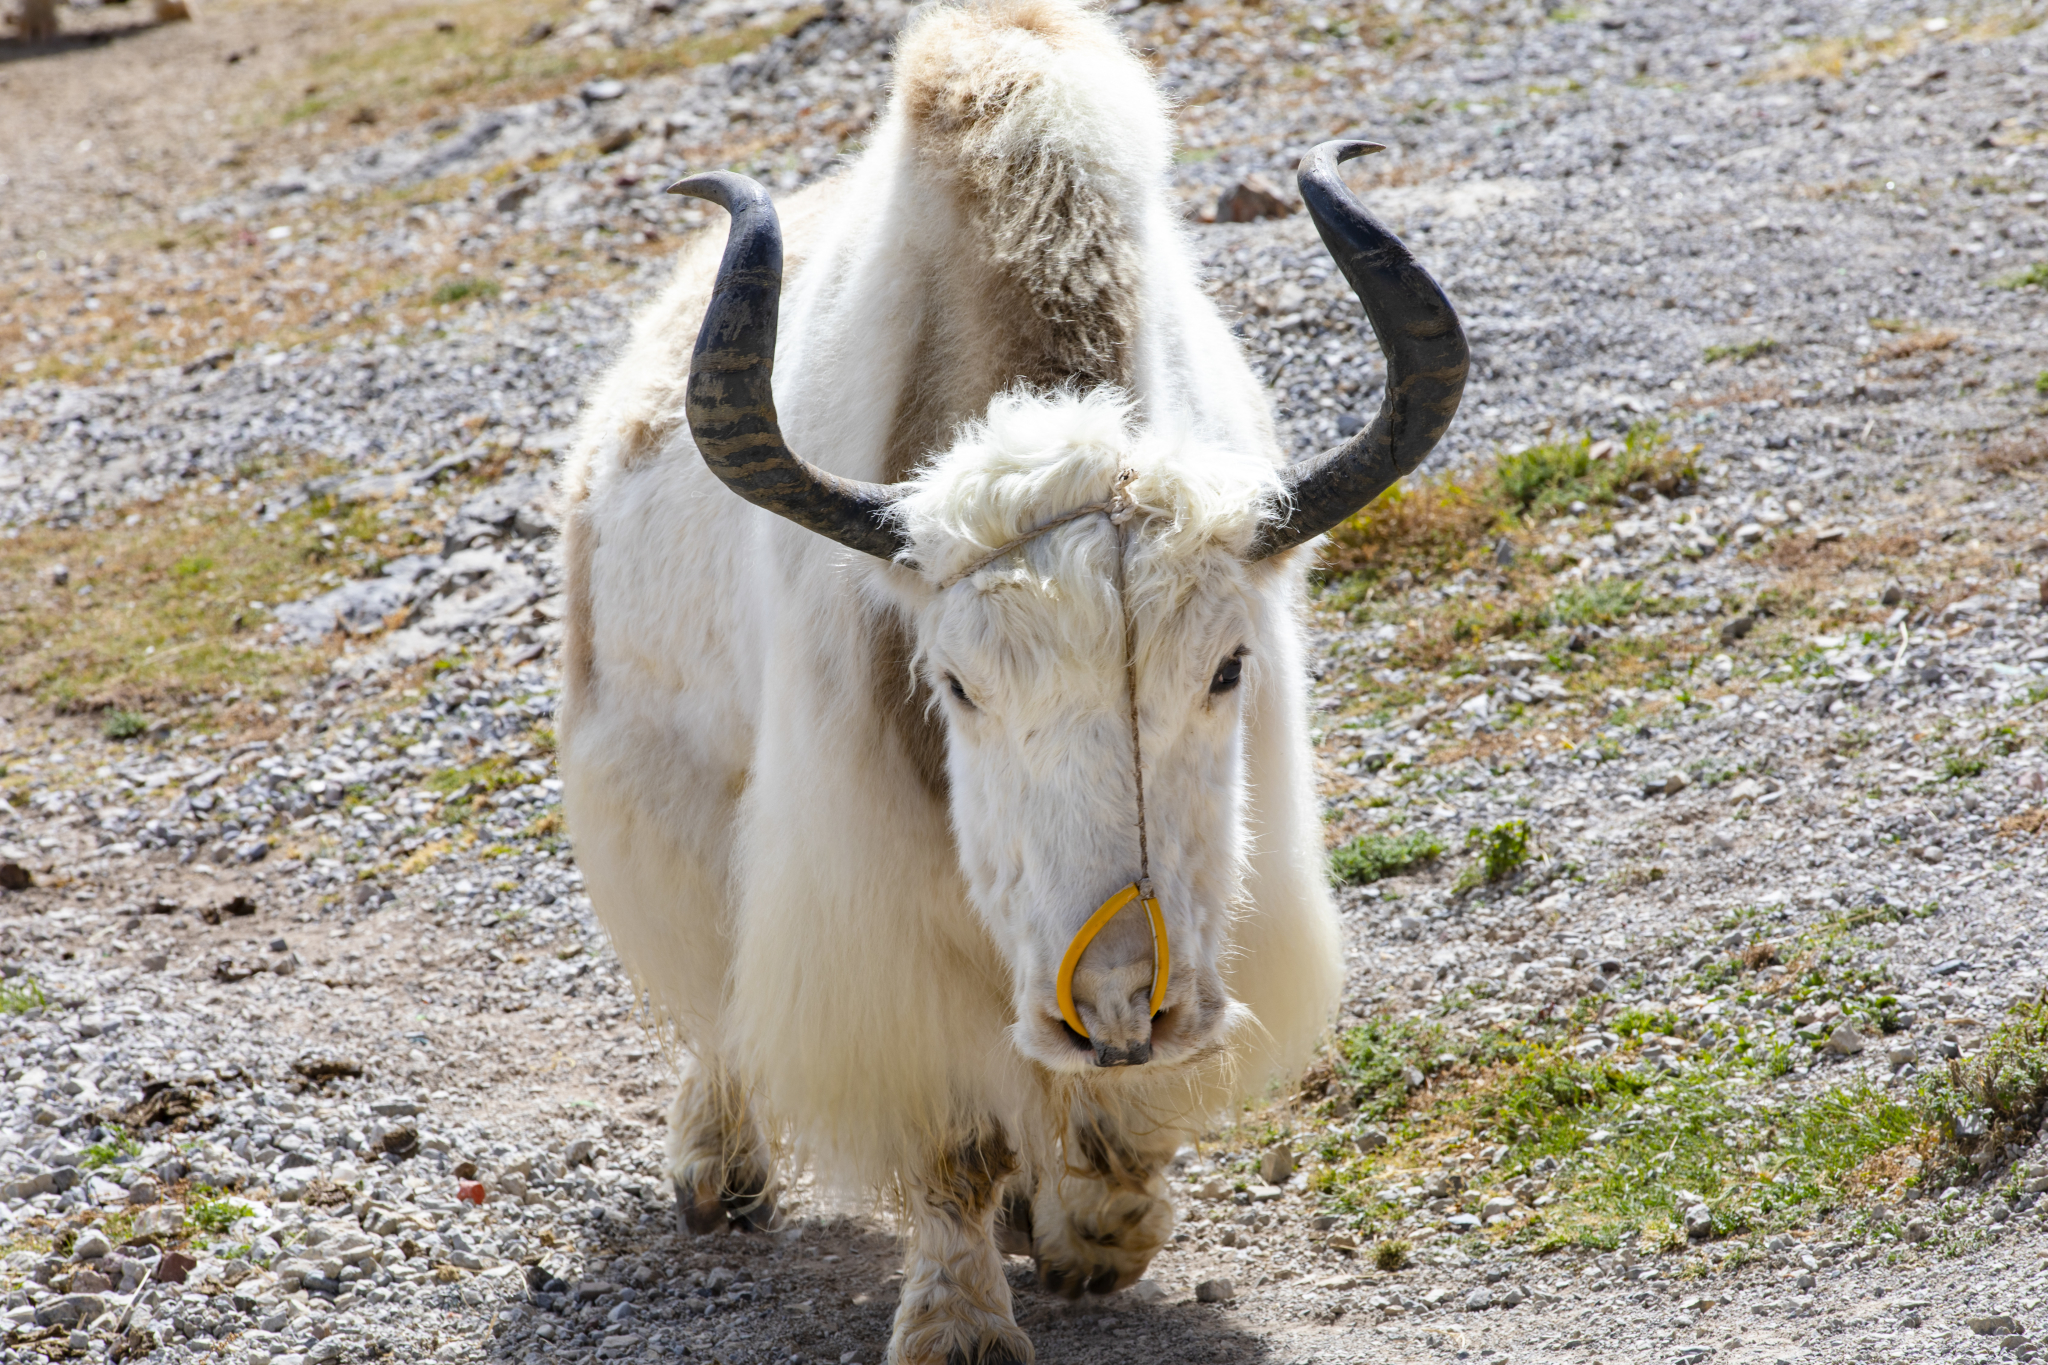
x=1720, y=641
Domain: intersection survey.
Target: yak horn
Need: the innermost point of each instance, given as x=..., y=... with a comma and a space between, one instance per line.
x=731, y=396
x=1417, y=332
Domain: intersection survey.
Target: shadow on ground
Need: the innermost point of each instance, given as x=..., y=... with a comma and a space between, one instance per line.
x=822, y=1290
x=16, y=49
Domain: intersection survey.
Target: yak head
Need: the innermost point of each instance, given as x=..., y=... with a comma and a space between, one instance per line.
x=1078, y=659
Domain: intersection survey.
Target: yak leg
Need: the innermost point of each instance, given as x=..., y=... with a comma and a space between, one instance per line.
x=717, y=1155
x=1098, y=1218
x=36, y=21
x=955, y=1308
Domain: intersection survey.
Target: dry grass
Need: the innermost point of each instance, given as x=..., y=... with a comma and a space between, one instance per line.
x=1914, y=343
x=413, y=62
x=2014, y=453
x=162, y=612
x=1429, y=526
x=128, y=285
x=1818, y=567
x=1756, y=391
x=2030, y=821
x=1834, y=58
x=209, y=291
x=1425, y=527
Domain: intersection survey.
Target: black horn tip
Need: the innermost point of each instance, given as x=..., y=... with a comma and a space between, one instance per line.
x=727, y=189
x=1326, y=156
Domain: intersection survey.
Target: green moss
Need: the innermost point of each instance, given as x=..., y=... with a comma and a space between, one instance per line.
x=123, y=725
x=2035, y=274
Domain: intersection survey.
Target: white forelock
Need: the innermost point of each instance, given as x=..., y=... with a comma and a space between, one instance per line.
x=1035, y=457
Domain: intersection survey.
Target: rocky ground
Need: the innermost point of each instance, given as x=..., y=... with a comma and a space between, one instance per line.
x=313, y=1049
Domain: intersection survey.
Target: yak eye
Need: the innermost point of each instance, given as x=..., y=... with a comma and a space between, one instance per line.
x=1227, y=674
x=959, y=692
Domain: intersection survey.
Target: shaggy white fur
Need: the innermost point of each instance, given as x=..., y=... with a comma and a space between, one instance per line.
x=845, y=885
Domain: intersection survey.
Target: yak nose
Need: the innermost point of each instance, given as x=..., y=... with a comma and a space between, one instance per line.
x=1131, y=1054
x=1115, y=1002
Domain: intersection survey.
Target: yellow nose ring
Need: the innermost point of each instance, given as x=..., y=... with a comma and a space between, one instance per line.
x=1063, y=985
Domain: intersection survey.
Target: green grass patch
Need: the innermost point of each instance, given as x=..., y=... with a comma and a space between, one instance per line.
x=20, y=994
x=1963, y=765
x=2035, y=274
x=460, y=787
x=112, y=1150
x=120, y=724
x=1547, y=478
x=1606, y=603
x=492, y=774
x=1623, y=1144
x=1382, y=1062
x=464, y=288
x=1503, y=851
x=1976, y=1106
x=1373, y=857
x=1741, y=353
x=1428, y=527
x=214, y=1213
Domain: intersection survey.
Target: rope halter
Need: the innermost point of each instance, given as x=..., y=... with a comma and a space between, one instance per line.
x=1121, y=509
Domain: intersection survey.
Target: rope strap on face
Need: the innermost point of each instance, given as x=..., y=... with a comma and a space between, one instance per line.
x=1063, y=984
x=1119, y=508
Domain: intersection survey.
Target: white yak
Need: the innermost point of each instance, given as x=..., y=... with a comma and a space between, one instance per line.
x=858, y=763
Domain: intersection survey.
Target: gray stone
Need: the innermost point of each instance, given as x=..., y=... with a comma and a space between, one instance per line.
x=1147, y=1291
x=71, y=1310
x=1992, y=1324
x=1215, y=1291
x=91, y=1245
x=1845, y=1041
x=1277, y=1165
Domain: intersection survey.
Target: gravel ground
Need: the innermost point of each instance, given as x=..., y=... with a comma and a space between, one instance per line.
x=334, y=972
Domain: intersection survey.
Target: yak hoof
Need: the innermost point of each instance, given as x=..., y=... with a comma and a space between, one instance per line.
x=707, y=1208
x=988, y=1353
x=698, y=1212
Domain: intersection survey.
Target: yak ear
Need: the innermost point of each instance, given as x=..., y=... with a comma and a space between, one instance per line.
x=731, y=394
x=1417, y=331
